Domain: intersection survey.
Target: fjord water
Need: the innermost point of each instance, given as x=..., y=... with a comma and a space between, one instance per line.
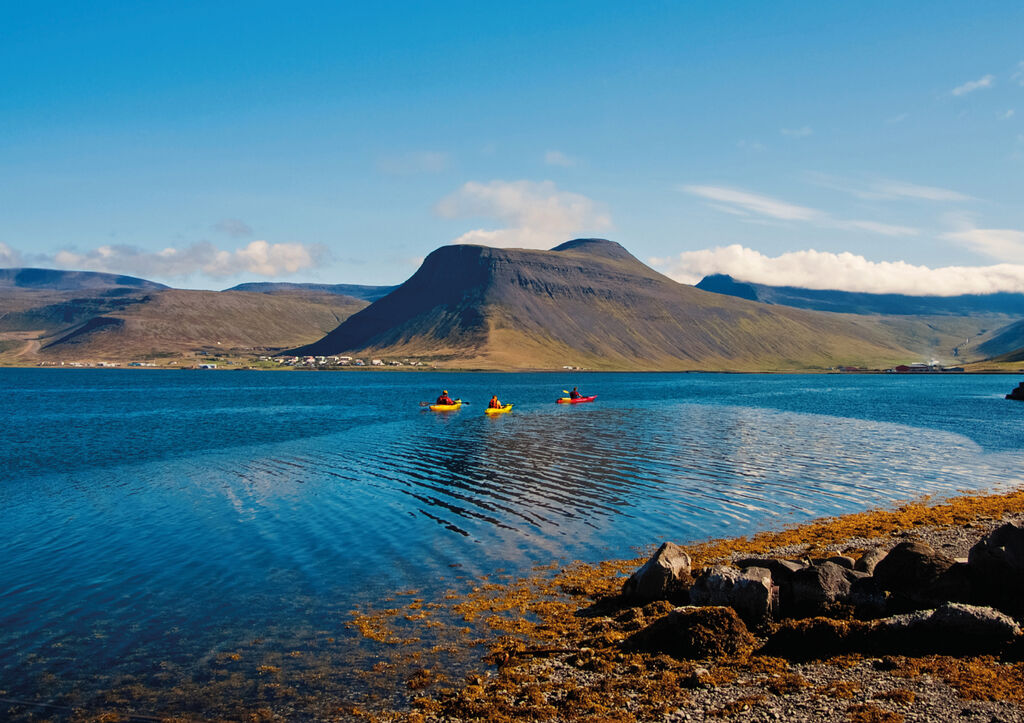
x=153, y=518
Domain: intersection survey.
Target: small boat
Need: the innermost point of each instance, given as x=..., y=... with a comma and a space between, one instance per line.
x=446, y=407
x=498, y=410
x=577, y=400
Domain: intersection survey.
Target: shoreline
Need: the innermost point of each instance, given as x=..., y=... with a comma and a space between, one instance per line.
x=555, y=650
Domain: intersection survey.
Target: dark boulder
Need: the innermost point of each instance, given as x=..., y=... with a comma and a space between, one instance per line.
x=816, y=589
x=781, y=570
x=952, y=629
x=695, y=632
x=996, y=565
x=665, y=575
x=1017, y=393
x=868, y=561
x=815, y=638
x=911, y=571
x=748, y=592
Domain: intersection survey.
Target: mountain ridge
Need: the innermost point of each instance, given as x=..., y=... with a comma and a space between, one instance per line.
x=589, y=302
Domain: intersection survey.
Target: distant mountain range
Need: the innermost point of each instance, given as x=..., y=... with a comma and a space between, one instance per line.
x=590, y=303
x=59, y=280
x=53, y=315
x=850, y=302
x=586, y=303
x=357, y=291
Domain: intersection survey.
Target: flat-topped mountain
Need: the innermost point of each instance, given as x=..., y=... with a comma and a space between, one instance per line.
x=851, y=302
x=590, y=303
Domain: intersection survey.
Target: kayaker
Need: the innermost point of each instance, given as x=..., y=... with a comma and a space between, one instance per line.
x=574, y=394
x=445, y=399
x=494, y=403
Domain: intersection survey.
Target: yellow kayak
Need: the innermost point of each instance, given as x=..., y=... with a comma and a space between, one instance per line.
x=498, y=410
x=446, y=407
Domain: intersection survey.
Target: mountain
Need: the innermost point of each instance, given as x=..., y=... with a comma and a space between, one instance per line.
x=1007, y=341
x=590, y=303
x=52, y=315
x=850, y=302
x=58, y=280
x=366, y=293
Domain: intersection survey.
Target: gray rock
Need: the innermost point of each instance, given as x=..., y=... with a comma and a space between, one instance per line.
x=867, y=561
x=843, y=561
x=781, y=570
x=660, y=577
x=954, y=628
x=815, y=588
x=910, y=568
x=996, y=567
x=748, y=592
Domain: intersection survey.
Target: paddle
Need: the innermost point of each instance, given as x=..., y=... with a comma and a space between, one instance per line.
x=457, y=401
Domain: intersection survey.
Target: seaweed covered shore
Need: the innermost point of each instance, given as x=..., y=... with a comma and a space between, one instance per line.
x=573, y=646
x=920, y=637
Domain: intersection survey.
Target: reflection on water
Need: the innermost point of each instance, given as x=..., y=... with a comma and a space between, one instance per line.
x=155, y=520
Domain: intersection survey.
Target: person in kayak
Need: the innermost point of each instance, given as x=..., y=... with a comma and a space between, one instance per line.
x=445, y=399
x=494, y=403
x=574, y=394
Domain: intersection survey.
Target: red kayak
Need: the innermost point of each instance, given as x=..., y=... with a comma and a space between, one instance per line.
x=577, y=400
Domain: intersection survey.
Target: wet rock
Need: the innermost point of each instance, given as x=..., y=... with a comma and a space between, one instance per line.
x=996, y=565
x=748, y=592
x=666, y=574
x=867, y=597
x=781, y=570
x=843, y=561
x=816, y=588
x=952, y=629
x=692, y=632
x=911, y=568
x=868, y=561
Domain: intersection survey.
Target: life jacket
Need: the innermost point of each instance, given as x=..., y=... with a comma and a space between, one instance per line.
x=574, y=394
x=445, y=399
x=494, y=403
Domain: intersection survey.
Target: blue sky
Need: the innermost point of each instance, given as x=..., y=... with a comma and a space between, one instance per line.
x=203, y=144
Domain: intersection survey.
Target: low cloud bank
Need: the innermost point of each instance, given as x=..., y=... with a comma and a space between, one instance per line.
x=258, y=257
x=812, y=269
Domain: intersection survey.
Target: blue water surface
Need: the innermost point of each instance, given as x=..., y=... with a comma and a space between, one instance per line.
x=154, y=517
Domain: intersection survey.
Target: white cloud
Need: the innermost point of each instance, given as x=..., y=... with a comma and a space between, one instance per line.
x=9, y=258
x=258, y=257
x=844, y=271
x=897, y=118
x=801, y=132
x=884, y=229
x=533, y=214
x=986, y=81
x=557, y=158
x=1003, y=244
x=885, y=189
x=739, y=202
x=1007, y=115
x=753, y=202
x=416, y=162
x=1018, y=74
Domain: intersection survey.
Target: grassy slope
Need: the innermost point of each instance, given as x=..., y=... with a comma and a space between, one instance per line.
x=176, y=322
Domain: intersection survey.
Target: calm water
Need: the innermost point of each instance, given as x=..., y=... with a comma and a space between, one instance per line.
x=151, y=519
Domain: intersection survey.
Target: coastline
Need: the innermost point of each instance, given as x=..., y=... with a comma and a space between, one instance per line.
x=555, y=649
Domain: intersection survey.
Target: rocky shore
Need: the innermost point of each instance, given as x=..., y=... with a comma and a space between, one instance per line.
x=900, y=615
